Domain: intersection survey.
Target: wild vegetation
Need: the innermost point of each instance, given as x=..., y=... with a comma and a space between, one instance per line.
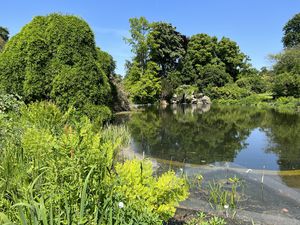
x=60, y=169
x=202, y=219
x=58, y=162
x=58, y=156
x=55, y=58
x=214, y=67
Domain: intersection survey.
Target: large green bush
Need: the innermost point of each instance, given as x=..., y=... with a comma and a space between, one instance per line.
x=287, y=84
x=254, y=83
x=134, y=185
x=144, y=86
x=54, y=57
x=214, y=76
x=229, y=91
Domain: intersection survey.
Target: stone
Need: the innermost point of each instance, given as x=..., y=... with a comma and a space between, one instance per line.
x=205, y=100
x=163, y=102
x=120, y=100
x=284, y=210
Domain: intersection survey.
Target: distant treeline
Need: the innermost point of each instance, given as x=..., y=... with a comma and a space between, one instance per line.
x=164, y=60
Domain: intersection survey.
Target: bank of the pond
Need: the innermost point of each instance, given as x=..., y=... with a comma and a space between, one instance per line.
x=184, y=215
x=282, y=104
x=129, y=153
x=241, y=215
x=265, y=100
x=272, y=212
x=256, y=146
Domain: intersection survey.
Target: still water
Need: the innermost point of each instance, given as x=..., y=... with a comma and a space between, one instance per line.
x=248, y=137
x=204, y=141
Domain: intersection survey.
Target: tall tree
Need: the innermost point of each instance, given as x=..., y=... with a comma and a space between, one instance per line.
x=287, y=61
x=106, y=63
x=206, y=56
x=229, y=53
x=4, y=36
x=118, y=100
x=291, y=31
x=167, y=46
x=139, y=28
x=287, y=73
x=201, y=51
x=144, y=86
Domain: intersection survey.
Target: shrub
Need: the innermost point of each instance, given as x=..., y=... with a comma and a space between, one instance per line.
x=135, y=186
x=287, y=84
x=254, y=83
x=44, y=115
x=54, y=58
x=97, y=113
x=50, y=157
x=60, y=169
x=287, y=104
x=213, y=75
x=229, y=91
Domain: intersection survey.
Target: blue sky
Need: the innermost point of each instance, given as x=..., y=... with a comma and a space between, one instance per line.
x=256, y=25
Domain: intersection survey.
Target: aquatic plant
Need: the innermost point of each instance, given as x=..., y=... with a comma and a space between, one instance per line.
x=202, y=219
x=196, y=181
x=222, y=196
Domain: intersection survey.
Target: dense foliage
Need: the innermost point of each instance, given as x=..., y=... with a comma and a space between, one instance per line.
x=57, y=169
x=287, y=73
x=144, y=86
x=201, y=60
x=204, y=51
x=55, y=58
x=217, y=67
x=58, y=165
x=142, y=80
x=118, y=99
x=291, y=30
x=167, y=47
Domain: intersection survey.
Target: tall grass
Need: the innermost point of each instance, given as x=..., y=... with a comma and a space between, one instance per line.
x=47, y=159
x=58, y=169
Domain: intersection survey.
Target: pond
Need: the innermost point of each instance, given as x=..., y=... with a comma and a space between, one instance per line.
x=260, y=146
x=250, y=137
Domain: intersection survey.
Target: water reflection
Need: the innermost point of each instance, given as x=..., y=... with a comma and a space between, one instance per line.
x=250, y=137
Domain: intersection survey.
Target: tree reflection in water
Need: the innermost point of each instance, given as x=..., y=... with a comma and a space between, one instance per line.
x=193, y=134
